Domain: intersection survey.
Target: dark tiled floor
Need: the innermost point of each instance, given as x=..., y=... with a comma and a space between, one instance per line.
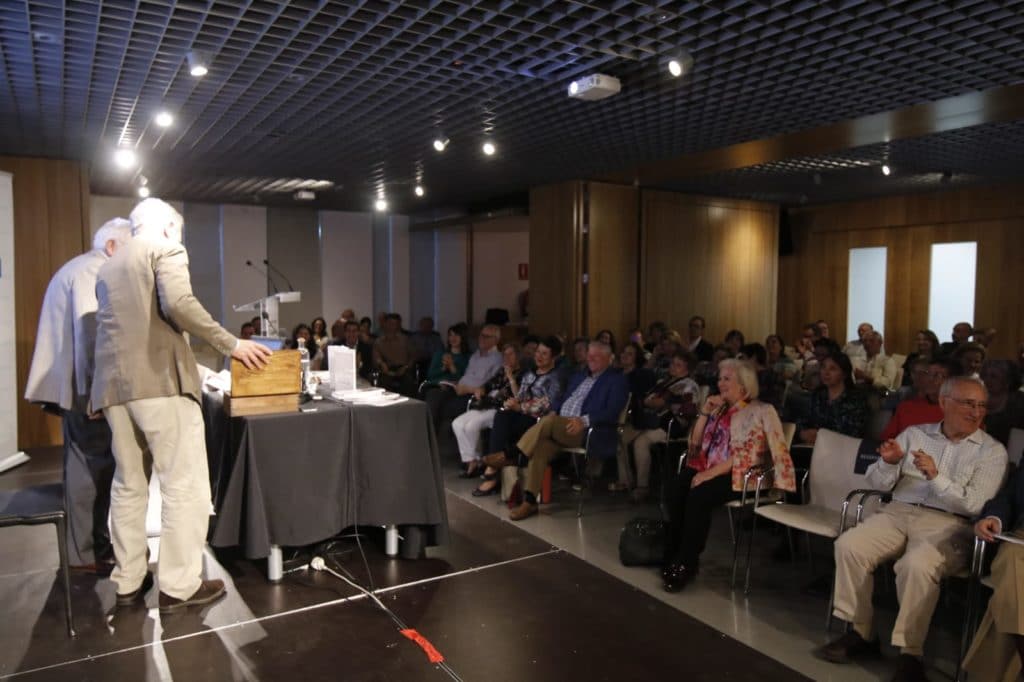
x=498, y=602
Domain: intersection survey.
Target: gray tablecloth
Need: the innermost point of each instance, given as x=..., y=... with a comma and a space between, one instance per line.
x=300, y=478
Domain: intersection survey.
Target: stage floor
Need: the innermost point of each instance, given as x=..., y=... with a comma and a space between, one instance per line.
x=498, y=603
x=545, y=599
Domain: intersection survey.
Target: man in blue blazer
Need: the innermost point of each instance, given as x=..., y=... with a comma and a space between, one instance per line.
x=998, y=648
x=593, y=400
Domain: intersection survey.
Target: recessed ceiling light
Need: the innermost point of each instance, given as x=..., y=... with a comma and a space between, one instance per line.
x=488, y=148
x=44, y=37
x=419, y=191
x=885, y=169
x=381, y=204
x=125, y=158
x=441, y=143
x=198, y=63
x=143, y=192
x=163, y=119
x=574, y=87
x=679, y=64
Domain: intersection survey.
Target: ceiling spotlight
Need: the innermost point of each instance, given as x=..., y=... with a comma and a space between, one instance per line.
x=574, y=87
x=163, y=119
x=489, y=148
x=198, y=63
x=381, y=204
x=440, y=143
x=125, y=158
x=419, y=191
x=885, y=169
x=143, y=192
x=679, y=64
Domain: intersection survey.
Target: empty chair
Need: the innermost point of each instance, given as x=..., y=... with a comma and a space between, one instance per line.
x=34, y=506
x=835, y=471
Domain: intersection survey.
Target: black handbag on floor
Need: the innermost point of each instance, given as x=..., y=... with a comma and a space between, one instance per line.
x=642, y=542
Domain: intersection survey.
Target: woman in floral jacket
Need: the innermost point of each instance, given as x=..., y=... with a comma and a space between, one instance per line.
x=735, y=432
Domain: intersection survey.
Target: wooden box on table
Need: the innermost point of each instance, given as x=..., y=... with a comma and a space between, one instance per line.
x=270, y=390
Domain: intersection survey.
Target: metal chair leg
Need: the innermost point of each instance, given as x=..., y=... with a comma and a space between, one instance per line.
x=810, y=557
x=753, y=533
x=831, y=604
x=62, y=549
x=792, y=546
x=583, y=484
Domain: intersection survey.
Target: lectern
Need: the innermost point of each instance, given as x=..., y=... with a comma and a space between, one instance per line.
x=267, y=308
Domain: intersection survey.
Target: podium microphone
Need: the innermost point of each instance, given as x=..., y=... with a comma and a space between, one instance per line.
x=283, y=276
x=264, y=273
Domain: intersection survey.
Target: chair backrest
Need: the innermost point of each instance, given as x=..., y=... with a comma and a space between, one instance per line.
x=833, y=469
x=879, y=420
x=1015, y=445
x=788, y=432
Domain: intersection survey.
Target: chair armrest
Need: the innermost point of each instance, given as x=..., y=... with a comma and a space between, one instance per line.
x=885, y=496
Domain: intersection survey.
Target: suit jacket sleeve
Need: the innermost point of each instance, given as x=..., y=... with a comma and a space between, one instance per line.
x=611, y=400
x=180, y=305
x=1004, y=504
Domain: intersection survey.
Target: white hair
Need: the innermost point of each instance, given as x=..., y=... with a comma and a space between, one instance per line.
x=118, y=229
x=154, y=217
x=746, y=375
x=601, y=346
x=952, y=382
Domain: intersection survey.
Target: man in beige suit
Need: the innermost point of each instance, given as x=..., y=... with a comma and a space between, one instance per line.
x=147, y=384
x=60, y=379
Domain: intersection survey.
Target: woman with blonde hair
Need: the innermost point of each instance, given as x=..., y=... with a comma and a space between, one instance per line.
x=735, y=431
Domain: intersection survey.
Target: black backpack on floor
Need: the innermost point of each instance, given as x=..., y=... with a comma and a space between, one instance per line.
x=642, y=542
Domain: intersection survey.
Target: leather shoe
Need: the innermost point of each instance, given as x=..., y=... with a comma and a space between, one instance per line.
x=676, y=577
x=523, y=511
x=138, y=595
x=848, y=647
x=209, y=591
x=909, y=669
x=479, y=491
x=496, y=460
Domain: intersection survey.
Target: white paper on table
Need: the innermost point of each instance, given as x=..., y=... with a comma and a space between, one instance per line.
x=342, y=361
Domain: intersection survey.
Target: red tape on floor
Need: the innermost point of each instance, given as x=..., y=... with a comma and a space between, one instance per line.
x=433, y=654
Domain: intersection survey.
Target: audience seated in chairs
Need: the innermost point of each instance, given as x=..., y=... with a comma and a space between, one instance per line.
x=735, y=432
x=426, y=343
x=696, y=343
x=707, y=372
x=821, y=326
x=636, y=336
x=970, y=356
x=734, y=341
x=654, y=332
x=855, y=349
x=539, y=389
x=347, y=334
x=837, y=404
x=594, y=399
x=301, y=331
x=923, y=407
x=366, y=334
x=874, y=369
x=805, y=344
x=448, y=363
x=669, y=345
x=606, y=337
x=940, y=475
x=526, y=353
x=997, y=651
x=927, y=348
x=809, y=376
x=486, y=401
x=772, y=386
x=670, y=399
x=961, y=335
x=1005, y=401
x=450, y=401
x=319, y=333
x=393, y=357
x=780, y=363
x=247, y=331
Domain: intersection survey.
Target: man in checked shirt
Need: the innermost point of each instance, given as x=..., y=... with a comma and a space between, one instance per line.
x=940, y=476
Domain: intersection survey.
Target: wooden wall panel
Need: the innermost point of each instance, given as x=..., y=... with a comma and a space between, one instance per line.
x=908, y=226
x=555, y=259
x=50, y=227
x=612, y=258
x=714, y=257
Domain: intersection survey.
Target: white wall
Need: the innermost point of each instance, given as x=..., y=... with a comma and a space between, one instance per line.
x=498, y=249
x=243, y=237
x=450, y=278
x=346, y=263
x=8, y=362
x=102, y=208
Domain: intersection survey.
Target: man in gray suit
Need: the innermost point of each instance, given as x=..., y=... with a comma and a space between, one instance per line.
x=60, y=379
x=147, y=384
